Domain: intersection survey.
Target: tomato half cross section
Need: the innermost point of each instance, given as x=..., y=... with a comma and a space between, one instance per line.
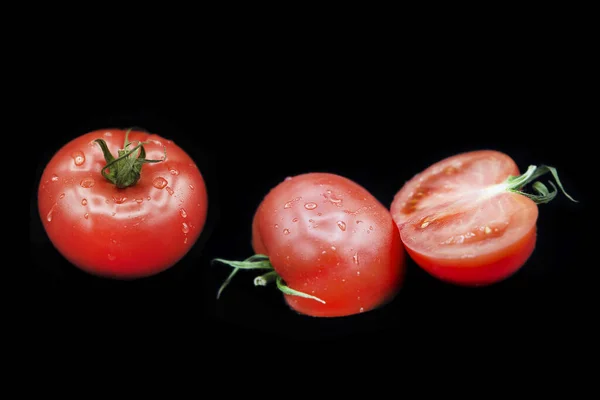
x=122, y=204
x=328, y=244
x=466, y=219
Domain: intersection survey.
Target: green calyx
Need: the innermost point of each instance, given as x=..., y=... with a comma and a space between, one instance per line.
x=541, y=193
x=261, y=261
x=125, y=170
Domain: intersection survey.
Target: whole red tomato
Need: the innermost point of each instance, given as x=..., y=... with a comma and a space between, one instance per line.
x=122, y=204
x=331, y=247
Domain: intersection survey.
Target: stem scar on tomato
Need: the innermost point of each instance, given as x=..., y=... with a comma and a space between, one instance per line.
x=125, y=170
x=261, y=262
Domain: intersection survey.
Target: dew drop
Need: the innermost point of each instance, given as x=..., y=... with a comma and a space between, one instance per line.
x=341, y=225
x=370, y=228
x=62, y=195
x=191, y=187
x=324, y=252
x=333, y=248
x=311, y=220
x=358, y=222
x=54, y=178
x=139, y=201
x=173, y=171
x=78, y=157
x=87, y=182
x=86, y=215
x=112, y=257
x=355, y=258
x=182, y=213
x=295, y=220
x=288, y=204
x=185, y=228
x=170, y=190
x=276, y=226
x=289, y=178
x=148, y=198
x=114, y=213
x=286, y=231
x=310, y=206
x=107, y=134
x=185, y=240
x=159, y=182
x=362, y=309
x=84, y=202
x=50, y=213
x=319, y=214
x=119, y=199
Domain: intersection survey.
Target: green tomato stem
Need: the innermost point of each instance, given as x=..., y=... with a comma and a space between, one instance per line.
x=261, y=262
x=542, y=194
x=125, y=170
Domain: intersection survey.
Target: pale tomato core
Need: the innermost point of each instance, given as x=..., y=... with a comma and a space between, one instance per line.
x=460, y=225
x=328, y=237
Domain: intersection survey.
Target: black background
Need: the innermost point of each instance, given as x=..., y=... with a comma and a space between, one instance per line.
x=251, y=120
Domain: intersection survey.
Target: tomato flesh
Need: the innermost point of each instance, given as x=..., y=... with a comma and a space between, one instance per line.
x=459, y=224
x=328, y=237
x=125, y=233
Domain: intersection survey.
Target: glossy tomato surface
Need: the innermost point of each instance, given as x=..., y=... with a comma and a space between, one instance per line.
x=126, y=233
x=459, y=223
x=328, y=237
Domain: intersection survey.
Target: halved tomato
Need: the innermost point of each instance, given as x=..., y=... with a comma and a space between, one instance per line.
x=466, y=220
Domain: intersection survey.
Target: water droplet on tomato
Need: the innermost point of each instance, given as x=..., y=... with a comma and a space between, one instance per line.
x=362, y=309
x=87, y=182
x=341, y=225
x=84, y=202
x=173, y=171
x=170, y=191
x=107, y=134
x=182, y=213
x=358, y=222
x=370, y=227
x=319, y=214
x=310, y=206
x=287, y=205
x=112, y=257
x=185, y=240
x=78, y=158
x=356, y=261
x=295, y=220
x=148, y=198
x=276, y=226
x=113, y=214
x=62, y=195
x=119, y=198
x=54, y=178
x=139, y=201
x=185, y=228
x=289, y=178
x=191, y=187
x=324, y=252
x=159, y=182
x=51, y=213
x=311, y=220
x=86, y=215
x=286, y=231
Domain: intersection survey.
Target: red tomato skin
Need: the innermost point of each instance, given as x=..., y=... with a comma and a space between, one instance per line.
x=120, y=233
x=486, y=271
x=346, y=251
